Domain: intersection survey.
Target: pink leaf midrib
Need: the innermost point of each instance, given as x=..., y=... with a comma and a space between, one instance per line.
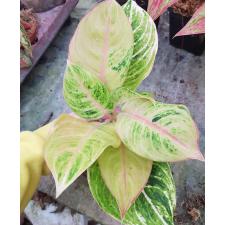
x=159, y=129
x=123, y=174
x=95, y=103
x=79, y=147
x=105, y=50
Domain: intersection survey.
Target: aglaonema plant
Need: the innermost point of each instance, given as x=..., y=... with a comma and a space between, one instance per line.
x=196, y=25
x=124, y=139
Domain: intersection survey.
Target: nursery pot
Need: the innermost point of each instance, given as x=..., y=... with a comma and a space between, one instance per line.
x=194, y=44
x=143, y=4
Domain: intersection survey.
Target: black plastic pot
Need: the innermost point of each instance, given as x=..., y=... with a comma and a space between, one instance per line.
x=194, y=44
x=121, y=2
x=143, y=4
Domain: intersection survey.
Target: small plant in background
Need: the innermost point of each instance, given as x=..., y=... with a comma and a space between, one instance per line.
x=186, y=22
x=196, y=25
x=25, y=49
x=157, y=7
x=28, y=35
x=124, y=139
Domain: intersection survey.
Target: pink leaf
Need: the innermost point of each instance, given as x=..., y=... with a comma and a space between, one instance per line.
x=158, y=7
x=196, y=25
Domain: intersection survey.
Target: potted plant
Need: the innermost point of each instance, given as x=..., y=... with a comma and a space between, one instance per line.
x=124, y=139
x=179, y=15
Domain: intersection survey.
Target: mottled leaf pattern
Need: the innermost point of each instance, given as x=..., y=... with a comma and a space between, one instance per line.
x=157, y=131
x=154, y=206
x=103, y=44
x=125, y=174
x=122, y=94
x=86, y=95
x=157, y=7
x=196, y=25
x=145, y=44
x=74, y=145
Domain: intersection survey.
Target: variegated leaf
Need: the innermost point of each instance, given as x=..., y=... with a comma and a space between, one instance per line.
x=103, y=44
x=147, y=94
x=125, y=174
x=157, y=7
x=157, y=131
x=86, y=95
x=74, y=145
x=196, y=25
x=145, y=44
x=155, y=204
x=122, y=94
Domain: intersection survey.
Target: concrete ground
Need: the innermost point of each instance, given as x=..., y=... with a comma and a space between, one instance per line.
x=177, y=77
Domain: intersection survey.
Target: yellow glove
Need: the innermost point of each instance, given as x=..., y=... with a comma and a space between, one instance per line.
x=32, y=164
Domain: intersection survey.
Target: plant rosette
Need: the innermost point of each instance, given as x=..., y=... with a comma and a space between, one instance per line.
x=124, y=139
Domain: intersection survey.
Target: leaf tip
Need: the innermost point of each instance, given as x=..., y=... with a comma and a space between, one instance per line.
x=198, y=156
x=176, y=35
x=123, y=208
x=59, y=190
x=122, y=213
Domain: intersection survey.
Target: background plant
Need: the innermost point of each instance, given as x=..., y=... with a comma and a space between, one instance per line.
x=28, y=32
x=123, y=138
x=157, y=7
x=25, y=49
x=196, y=25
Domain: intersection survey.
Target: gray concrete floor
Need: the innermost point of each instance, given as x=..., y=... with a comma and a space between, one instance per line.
x=177, y=77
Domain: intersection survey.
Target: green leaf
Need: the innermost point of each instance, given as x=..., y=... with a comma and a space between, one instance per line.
x=145, y=44
x=103, y=44
x=157, y=131
x=74, y=145
x=154, y=206
x=125, y=174
x=86, y=95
